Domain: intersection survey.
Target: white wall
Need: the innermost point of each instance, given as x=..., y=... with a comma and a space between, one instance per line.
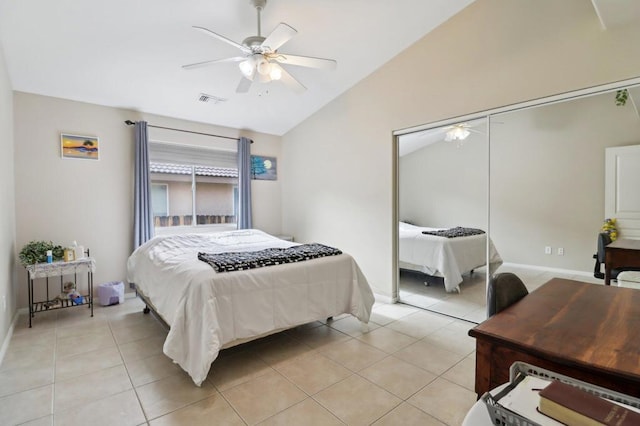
x=338, y=164
x=92, y=201
x=8, y=286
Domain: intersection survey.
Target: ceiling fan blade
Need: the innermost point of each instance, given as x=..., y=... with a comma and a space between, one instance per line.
x=289, y=81
x=279, y=36
x=223, y=38
x=305, y=61
x=213, y=62
x=243, y=85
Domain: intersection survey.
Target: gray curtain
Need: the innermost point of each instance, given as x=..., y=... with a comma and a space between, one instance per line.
x=244, y=183
x=143, y=215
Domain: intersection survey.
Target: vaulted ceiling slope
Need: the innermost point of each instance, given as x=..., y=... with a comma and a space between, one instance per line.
x=615, y=13
x=129, y=54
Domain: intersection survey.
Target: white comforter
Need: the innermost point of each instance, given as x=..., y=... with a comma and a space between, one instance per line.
x=445, y=257
x=208, y=311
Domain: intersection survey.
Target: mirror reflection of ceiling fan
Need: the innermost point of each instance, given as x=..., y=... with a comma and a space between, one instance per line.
x=459, y=132
x=260, y=60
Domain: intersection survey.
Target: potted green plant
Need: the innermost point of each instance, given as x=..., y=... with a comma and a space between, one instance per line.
x=36, y=252
x=621, y=97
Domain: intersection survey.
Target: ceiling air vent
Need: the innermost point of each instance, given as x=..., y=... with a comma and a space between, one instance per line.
x=210, y=98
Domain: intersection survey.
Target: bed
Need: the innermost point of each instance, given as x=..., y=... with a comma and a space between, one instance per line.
x=207, y=311
x=442, y=256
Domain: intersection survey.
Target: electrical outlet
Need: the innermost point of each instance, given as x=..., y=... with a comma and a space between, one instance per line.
x=560, y=251
x=547, y=250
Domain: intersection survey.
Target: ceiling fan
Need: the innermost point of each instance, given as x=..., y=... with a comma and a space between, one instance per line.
x=261, y=60
x=459, y=131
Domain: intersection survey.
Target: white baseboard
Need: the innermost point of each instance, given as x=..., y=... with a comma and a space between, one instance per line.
x=384, y=299
x=547, y=269
x=7, y=339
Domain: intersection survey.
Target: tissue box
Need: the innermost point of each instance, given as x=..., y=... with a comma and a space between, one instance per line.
x=111, y=293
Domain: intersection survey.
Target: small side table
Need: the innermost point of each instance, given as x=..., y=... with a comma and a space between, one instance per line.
x=621, y=253
x=60, y=269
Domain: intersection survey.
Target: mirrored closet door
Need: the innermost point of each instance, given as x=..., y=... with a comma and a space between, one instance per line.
x=547, y=190
x=442, y=188
x=532, y=176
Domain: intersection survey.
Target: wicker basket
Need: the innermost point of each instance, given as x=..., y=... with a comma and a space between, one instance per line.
x=500, y=416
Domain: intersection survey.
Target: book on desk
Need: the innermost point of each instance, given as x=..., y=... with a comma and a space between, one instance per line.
x=576, y=407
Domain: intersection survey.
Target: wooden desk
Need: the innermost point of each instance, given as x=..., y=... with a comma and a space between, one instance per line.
x=586, y=331
x=621, y=253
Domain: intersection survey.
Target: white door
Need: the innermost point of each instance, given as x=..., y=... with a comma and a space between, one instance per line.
x=622, y=189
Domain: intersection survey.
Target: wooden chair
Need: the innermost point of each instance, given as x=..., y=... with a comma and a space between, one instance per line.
x=504, y=290
x=603, y=240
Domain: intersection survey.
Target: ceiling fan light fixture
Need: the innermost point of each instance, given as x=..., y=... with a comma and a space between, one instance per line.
x=275, y=73
x=263, y=78
x=263, y=66
x=259, y=66
x=457, y=133
x=247, y=67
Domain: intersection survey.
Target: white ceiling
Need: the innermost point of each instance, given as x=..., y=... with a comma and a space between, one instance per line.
x=129, y=53
x=616, y=13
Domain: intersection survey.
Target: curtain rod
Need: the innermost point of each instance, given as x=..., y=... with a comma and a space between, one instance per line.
x=131, y=123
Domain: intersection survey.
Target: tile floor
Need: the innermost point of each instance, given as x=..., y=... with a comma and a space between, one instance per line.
x=411, y=367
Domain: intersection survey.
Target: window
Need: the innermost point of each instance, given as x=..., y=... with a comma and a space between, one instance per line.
x=160, y=199
x=192, y=186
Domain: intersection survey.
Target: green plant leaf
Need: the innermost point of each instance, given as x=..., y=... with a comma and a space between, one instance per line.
x=36, y=252
x=621, y=97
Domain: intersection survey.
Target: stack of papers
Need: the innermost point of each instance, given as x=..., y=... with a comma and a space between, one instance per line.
x=525, y=398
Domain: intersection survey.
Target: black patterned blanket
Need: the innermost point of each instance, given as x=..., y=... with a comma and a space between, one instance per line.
x=239, y=261
x=458, y=231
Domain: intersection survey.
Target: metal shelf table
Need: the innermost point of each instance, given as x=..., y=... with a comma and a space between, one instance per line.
x=60, y=269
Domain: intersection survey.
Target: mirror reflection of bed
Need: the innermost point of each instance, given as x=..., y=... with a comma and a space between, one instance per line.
x=442, y=186
x=545, y=188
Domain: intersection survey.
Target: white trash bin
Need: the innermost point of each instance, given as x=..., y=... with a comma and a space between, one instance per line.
x=111, y=293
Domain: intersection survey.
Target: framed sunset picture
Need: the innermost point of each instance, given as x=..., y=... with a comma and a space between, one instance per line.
x=74, y=146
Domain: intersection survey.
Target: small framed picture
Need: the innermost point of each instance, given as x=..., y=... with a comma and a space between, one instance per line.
x=264, y=168
x=75, y=146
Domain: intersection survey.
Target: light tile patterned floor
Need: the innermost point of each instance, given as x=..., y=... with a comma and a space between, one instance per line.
x=410, y=367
